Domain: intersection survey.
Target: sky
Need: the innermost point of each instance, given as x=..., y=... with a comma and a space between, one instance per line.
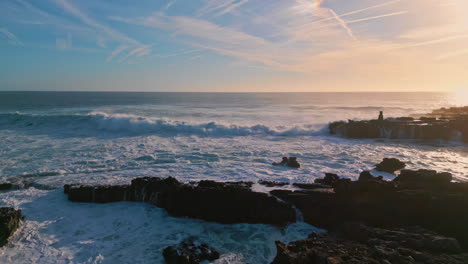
x=234, y=45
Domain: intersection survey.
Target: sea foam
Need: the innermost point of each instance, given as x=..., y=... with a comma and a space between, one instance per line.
x=138, y=125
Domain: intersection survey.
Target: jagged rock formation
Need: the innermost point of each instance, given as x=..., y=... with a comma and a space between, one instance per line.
x=357, y=243
x=422, y=198
x=189, y=251
x=288, y=162
x=447, y=127
x=390, y=165
x=425, y=198
x=10, y=220
x=227, y=203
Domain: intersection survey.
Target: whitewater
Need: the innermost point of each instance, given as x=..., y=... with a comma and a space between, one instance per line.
x=53, y=138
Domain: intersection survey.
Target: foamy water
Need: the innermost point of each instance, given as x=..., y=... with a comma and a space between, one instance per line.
x=49, y=139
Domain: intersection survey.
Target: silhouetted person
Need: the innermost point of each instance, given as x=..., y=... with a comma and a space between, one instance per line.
x=381, y=116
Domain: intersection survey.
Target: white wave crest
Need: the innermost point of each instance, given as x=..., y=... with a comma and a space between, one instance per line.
x=130, y=124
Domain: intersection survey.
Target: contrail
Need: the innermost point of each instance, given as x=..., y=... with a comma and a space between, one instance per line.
x=353, y=12
x=375, y=17
x=365, y=19
x=343, y=24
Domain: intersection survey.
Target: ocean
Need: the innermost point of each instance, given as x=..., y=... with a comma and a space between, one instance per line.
x=48, y=139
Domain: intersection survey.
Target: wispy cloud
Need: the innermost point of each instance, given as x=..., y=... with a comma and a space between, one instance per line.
x=438, y=41
x=177, y=53
x=116, y=52
x=73, y=10
x=137, y=52
x=355, y=12
x=220, y=7
x=169, y=4
x=10, y=37
x=232, y=7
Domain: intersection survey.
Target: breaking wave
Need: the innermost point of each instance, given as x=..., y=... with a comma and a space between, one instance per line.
x=137, y=125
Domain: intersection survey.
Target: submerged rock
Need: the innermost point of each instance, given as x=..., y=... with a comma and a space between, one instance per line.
x=145, y=158
x=390, y=165
x=10, y=220
x=5, y=186
x=289, y=162
x=189, y=252
x=229, y=203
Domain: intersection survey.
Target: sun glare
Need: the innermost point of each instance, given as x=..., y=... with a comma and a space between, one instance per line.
x=460, y=96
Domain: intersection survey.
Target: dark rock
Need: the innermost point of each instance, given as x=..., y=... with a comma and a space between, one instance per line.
x=322, y=250
x=228, y=203
x=5, y=186
x=330, y=179
x=439, y=125
x=96, y=194
x=423, y=179
x=366, y=176
x=10, y=220
x=292, y=162
x=272, y=183
x=310, y=186
x=357, y=243
x=390, y=165
x=289, y=162
x=375, y=202
x=189, y=252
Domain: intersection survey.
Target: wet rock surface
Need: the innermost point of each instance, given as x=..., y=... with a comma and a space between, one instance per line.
x=358, y=243
x=288, y=162
x=189, y=251
x=389, y=204
x=10, y=221
x=228, y=203
x=394, y=217
x=390, y=165
x=5, y=186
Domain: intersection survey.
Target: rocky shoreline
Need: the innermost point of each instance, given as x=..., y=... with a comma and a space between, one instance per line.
x=419, y=217
x=442, y=124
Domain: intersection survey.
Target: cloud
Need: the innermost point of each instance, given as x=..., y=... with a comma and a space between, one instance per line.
x=169, y=4
x=116, y=52
x=220, y=7
x=64, y=43
x=178, y=53
x=342, y=23
x=70, y=8
x=10, y=37
x=137, y=52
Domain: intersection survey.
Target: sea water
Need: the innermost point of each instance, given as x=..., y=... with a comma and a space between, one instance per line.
x=48, y=139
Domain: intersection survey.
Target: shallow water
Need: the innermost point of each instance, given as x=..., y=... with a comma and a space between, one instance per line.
x=50, y=139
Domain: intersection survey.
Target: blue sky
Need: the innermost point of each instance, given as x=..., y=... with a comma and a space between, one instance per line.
x=234, y=45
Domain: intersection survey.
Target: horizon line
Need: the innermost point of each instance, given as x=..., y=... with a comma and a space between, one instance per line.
x=245, y=92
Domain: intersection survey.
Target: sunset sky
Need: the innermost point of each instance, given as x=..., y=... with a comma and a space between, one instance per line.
x=234, y=45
